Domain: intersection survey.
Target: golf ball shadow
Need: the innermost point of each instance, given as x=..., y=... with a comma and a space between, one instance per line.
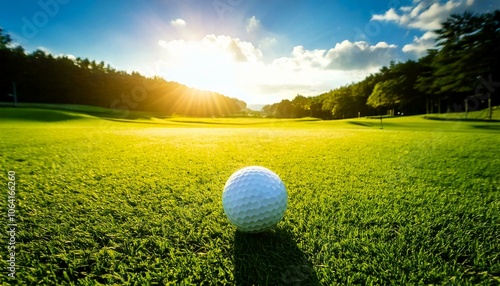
x=271, y=257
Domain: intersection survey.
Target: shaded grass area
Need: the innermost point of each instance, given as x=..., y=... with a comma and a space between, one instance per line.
x=95, y=111
x=62, y=112
x=272, y=257
x=38, y=115
x=421, y=123
x=106, y=202
x=42, y=113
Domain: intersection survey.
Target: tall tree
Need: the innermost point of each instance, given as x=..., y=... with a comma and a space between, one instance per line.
x=5, y=40
x=386, y=94
x=425, y=81
x=302, y=106
x=467, y=48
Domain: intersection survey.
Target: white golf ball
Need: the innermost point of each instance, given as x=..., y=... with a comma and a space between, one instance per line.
x=254, y=199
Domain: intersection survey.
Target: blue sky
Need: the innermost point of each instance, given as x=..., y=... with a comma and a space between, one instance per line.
x=259, y=51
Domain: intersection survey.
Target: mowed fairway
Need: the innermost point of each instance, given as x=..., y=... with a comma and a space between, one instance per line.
x=127, y=203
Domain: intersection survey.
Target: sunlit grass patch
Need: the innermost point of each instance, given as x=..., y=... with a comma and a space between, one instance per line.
x=112, y=202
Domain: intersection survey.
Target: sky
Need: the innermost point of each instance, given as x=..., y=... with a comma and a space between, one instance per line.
x=255, y=50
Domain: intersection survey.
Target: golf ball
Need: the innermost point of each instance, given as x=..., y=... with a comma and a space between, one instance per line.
x=254, y=199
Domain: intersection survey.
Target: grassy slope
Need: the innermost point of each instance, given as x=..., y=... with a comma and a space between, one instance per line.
x=473, y=115
x=110, y=202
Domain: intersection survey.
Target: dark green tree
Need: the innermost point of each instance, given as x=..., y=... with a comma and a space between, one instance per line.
x=285, y=109
x=467, y=47
x=270, y=110
x=42, y=78
x=386, y=94
x=302, y=106
x=5, y=40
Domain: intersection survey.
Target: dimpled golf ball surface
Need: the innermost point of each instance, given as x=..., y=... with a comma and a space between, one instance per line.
x=254, y=199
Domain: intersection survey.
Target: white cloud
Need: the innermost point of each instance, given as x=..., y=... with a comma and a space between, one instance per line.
x=427, y=15
x=406, y=8
x=221, y=47
x=242, y=51
x=432, y=17
x=344, y=56
x=389, y=15
x=268, y=42
x=360, y=55
x=420, y=45
x=69, y=56
x=237, y=68
x=178, y=23
x=13, y=45
x=415, y=11
x=253, y=25
x=43, y=49
x=163, y=44
x=301, y=59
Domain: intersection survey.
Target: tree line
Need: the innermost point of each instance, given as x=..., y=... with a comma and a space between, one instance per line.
x=40, y=77
x=459, y=72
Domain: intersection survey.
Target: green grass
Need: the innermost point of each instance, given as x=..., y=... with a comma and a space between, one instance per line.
x=473, y=115
x=139, y=202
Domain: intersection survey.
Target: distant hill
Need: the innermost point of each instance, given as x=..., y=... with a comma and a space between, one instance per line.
x=256, y=107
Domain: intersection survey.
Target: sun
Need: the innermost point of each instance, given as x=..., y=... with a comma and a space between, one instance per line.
x=202, y=67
